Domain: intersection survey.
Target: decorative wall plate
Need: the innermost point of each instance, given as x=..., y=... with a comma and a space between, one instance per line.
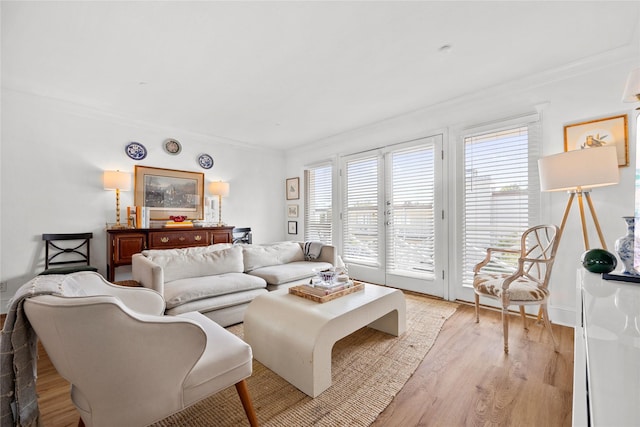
x=205, y=161
x=135, y=150
x=172, y=146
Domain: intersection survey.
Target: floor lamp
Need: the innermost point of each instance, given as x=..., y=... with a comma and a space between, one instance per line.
x=577, y=172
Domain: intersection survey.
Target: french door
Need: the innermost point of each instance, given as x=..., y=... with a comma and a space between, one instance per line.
x=392, y=216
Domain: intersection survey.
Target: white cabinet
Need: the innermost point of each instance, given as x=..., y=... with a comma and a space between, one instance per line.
x=607, y=352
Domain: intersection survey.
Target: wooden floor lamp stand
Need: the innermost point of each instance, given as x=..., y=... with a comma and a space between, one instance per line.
x=585, y=236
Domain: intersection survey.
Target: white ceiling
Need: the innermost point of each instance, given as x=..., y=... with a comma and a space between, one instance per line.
x=281, y=74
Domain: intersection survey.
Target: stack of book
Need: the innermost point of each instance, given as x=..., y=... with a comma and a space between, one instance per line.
x=181, y=224
x=138, y=217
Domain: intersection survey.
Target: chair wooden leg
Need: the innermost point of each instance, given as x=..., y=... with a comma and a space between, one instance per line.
x=524, y=317
x=547, y=324
x=505, y=328
x=243, y=392
x=477, y=308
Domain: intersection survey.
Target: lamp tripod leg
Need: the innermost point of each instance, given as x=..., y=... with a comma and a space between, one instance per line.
x=566, y=213
x=585, y=236
x=595, y=220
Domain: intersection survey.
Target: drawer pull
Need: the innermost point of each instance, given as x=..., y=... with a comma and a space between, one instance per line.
x=181, y=239
x=164, y=239
x=197, y=238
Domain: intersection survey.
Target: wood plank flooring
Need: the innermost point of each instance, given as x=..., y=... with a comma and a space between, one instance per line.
x=465, y=380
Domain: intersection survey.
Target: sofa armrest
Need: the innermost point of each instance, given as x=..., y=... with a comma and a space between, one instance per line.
x=148, y=273
x=328, y=254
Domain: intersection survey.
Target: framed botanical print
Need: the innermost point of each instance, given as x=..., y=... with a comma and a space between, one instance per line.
x=293, y=188
x=293, y=227
x=292, y=211
x=599, y=133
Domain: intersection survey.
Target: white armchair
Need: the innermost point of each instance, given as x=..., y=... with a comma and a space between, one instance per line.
x=128, y=364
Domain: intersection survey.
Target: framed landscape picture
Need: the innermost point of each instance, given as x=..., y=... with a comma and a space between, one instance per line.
x=599, y=133
x=169, y=192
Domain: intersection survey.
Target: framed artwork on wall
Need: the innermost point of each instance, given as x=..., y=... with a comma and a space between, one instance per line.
x=598, y=133
x=169, y=192
x=293, y=188
x=292, y=211
x=293, y=227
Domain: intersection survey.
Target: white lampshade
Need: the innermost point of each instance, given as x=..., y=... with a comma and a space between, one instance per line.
x=586, y=168
x=116, y=180
x=632, y=89
x=219, y=188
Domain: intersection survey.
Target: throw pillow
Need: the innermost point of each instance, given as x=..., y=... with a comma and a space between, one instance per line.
x=184, y=266
x=256, y=256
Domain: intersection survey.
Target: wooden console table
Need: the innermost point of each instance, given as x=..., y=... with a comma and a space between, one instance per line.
x=123, y=244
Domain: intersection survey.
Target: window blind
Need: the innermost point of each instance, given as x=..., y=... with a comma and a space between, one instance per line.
x=410, y=222
x=318, y=202
x=360, y=220
x=501, y=194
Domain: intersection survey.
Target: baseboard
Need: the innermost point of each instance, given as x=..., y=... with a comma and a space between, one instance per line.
x=564, y=316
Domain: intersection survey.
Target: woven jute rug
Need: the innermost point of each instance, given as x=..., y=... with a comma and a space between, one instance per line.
x=368, y=369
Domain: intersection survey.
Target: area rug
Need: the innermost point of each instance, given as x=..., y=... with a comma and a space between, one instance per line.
x=368, y=369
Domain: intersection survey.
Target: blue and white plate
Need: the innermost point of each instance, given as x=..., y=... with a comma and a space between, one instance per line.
x=135, y=150
x=205, y=161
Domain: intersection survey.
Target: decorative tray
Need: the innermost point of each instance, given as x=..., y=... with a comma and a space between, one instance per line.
x=621, y=277
x=321, y=295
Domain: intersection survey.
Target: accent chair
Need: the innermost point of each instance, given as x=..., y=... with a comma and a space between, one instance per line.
x=528, y=284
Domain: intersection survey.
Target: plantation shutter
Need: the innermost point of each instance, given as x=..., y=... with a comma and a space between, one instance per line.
x=318, y=201
x=501, y=193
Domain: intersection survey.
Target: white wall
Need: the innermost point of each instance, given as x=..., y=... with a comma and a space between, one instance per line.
x=587, y=90
x=52, y=159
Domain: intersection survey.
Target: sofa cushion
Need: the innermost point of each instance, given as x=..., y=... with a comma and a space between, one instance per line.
x=256, y=256
x=279, y=274
x=217, y=303
x=182, y=291
x=151, y=253
x=186, y=265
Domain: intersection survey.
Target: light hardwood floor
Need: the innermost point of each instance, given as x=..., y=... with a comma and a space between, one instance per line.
x=465, y=380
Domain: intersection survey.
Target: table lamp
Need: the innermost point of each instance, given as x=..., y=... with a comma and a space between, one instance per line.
x=577, y=172
x=116, y=180
x=219, y=188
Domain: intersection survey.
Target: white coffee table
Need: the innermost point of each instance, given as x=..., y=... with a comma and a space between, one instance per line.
x=294, y=336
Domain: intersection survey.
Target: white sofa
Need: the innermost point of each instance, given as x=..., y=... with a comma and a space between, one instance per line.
x=221, y=280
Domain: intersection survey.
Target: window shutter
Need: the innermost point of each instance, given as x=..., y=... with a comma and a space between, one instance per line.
x=318, y=201
x=501, y=194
